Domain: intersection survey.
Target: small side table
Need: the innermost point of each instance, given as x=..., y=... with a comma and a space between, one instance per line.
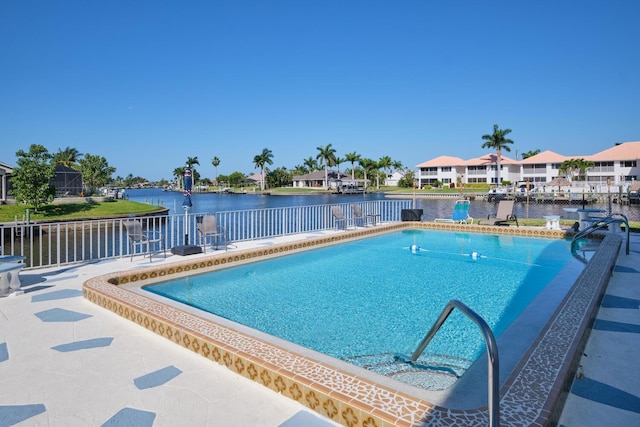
x=374, y=218
x=553, y=222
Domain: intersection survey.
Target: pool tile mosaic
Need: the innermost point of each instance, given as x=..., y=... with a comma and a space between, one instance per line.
x=532, y=395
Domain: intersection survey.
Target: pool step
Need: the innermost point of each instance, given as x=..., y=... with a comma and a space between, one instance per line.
x=431, y=372
x=588, y=244
x=585, y=248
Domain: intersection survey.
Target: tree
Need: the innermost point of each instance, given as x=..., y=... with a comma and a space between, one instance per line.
x=530, y=153
x=327, y=157
x=279, y=177
x=407, y=180
x=67, y=157
x=583, y=165
x=352, y=158
x=260, y=160
x=216, y=162
x=311, y=164
x=236, y=178
x=178, y=173
x=386, y=164
x=192, y=161
x=575, y=167
x=96, y=171
x=299, y=170
x=498, y=141
x=367, y=165
x=132, y=181
x=32, y=177
x=195, y=175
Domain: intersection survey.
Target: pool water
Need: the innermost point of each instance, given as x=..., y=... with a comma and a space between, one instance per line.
x=375, y=298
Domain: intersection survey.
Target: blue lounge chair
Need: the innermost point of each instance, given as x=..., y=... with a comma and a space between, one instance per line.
x=460, y=213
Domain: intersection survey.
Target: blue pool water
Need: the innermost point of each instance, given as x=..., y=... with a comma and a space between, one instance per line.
x=377, y=296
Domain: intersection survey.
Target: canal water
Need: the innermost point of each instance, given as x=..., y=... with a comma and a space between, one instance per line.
x=433, y=208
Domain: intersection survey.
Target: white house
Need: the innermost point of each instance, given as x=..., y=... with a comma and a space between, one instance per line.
x=5, y=172
x=316, y=179
x=617, y=166
x=445, y=169
x=485, y=170
x=394, y=177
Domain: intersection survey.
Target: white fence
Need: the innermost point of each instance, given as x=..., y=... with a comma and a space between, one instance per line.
x=60, y=243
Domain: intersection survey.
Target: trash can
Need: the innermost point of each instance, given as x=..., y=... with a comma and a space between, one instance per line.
x=411, y=214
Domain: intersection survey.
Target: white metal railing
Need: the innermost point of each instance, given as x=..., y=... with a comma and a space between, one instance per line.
x=60, y=243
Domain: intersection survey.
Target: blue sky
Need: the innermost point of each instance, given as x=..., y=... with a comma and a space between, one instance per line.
x=148, y=83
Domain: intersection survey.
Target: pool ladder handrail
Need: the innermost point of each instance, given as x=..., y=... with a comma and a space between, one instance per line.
x=598, y=225
x=492, y=354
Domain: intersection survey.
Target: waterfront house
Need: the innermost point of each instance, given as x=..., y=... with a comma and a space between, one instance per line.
x=5, y=173
x=614, y=167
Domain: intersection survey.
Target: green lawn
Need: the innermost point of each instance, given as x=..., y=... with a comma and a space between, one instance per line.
x=70, y=211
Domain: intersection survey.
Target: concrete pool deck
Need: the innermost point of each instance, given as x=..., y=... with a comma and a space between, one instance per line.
x=66, y=361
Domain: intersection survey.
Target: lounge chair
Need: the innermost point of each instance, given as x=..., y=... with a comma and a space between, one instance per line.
x=339, y=220
x=138, y=237
x=208, y=228
x=503, y=216
x=460, y=213
x=361, y=218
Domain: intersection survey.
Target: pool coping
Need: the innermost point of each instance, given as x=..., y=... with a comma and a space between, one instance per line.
x=533, y=394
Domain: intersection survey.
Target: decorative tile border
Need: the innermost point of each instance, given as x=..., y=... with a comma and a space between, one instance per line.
x=532, y=395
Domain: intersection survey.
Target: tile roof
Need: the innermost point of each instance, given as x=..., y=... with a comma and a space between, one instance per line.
x=443, y=161
x=546, y=157
x=490, y=159
x=624, y=151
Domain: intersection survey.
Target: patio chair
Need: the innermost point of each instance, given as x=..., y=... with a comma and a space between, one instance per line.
x=208, y=228
x=339, y=219
x=503, y=216
x=460, y=213
x=361, y=218
x=140, y=238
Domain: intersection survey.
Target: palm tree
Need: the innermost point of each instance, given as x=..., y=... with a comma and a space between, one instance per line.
x=339, y=160
x=583, y=165
x=498, y=142
x=68, y=157
x=575, y=167
x=530, y=153
x=367, y=166
x=260, y=160
x=192, y=161
x=178, y=173
x=299, y=170
x=216, y=162
x=311, y=164
x=327, y=157
x=352, y=158
x=386, y=164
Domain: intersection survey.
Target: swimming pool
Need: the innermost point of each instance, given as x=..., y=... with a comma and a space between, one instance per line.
x=379, y=296
x=531, y=392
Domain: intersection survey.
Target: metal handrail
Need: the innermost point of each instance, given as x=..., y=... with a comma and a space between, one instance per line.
x=492, y=354
x=603, y=223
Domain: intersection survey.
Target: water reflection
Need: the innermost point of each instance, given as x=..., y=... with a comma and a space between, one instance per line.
x=433, y=208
